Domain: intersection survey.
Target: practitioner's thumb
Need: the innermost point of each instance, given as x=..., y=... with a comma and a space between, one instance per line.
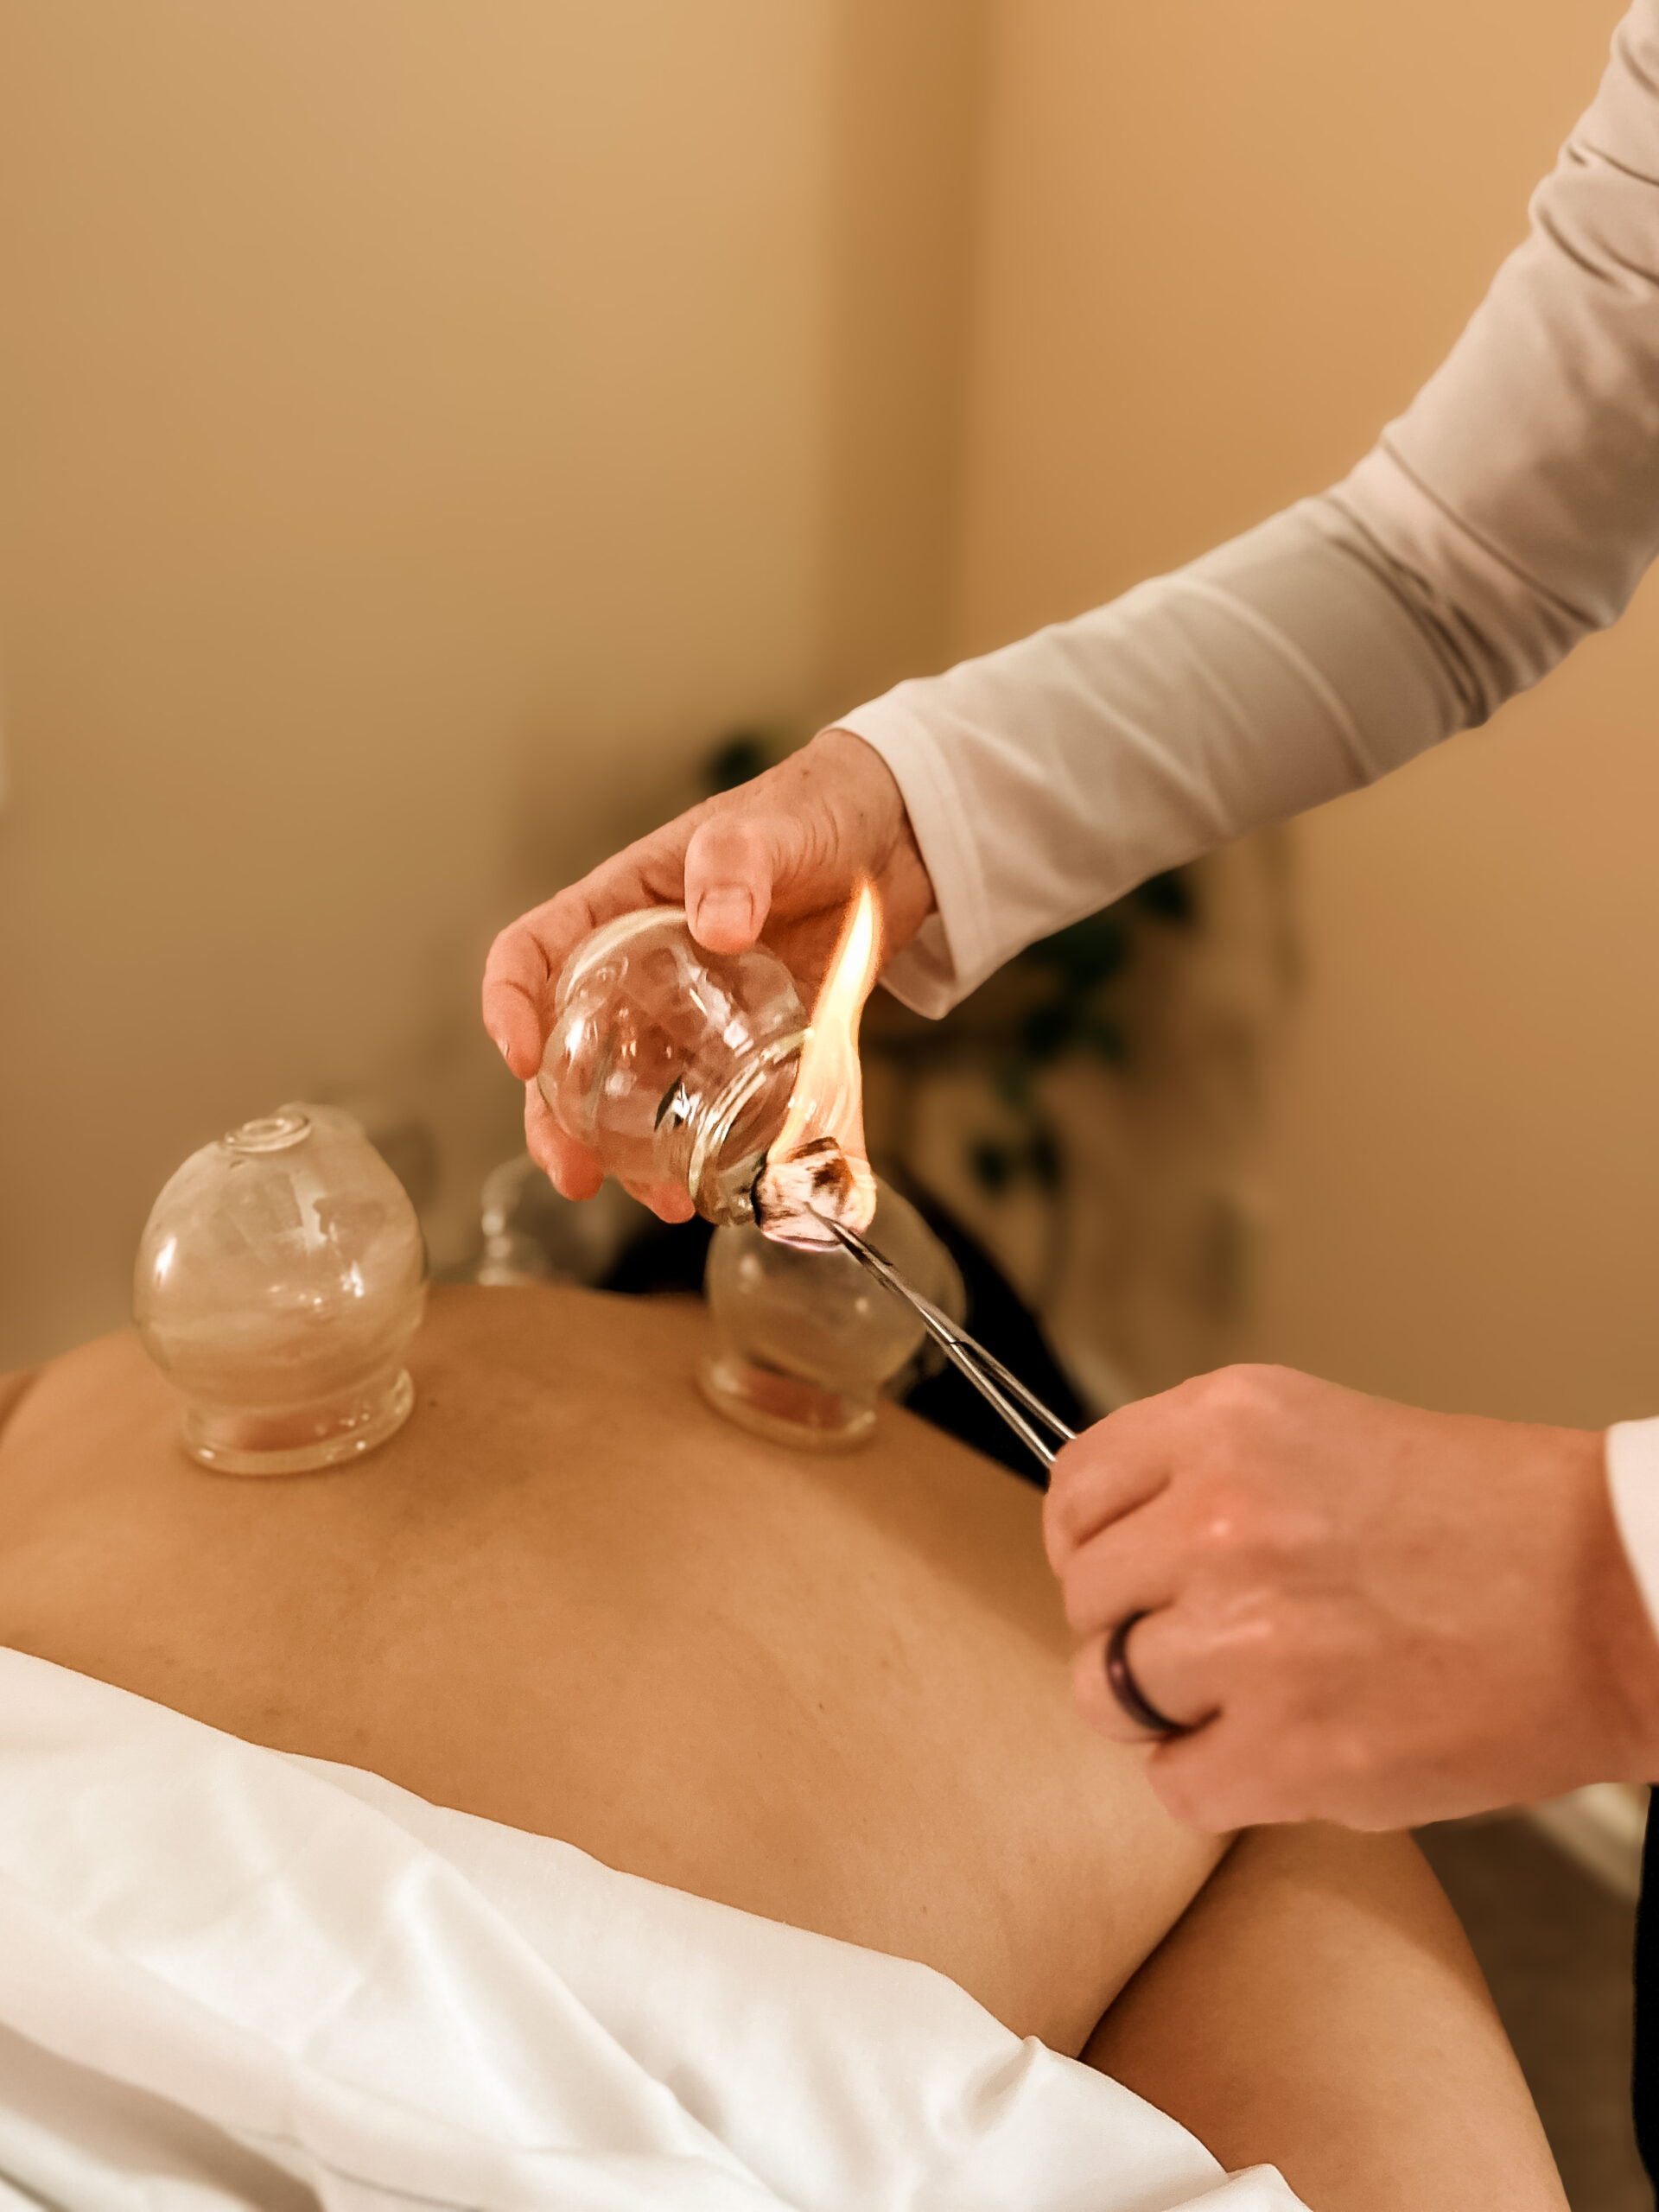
x=730, y=868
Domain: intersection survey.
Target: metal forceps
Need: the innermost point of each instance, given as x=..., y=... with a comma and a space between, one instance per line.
x=1021, y=1408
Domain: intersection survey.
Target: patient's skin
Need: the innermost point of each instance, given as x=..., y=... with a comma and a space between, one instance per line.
x=569, y=1597
x=833, y=1691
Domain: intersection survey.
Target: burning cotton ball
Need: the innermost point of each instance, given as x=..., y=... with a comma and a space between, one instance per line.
x=797, y=1197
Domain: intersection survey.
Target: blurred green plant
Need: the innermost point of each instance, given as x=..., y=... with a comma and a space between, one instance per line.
x=1077, y=973
x=742, y=755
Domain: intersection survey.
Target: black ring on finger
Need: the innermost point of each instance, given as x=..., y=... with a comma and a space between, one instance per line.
x=1129, y=1693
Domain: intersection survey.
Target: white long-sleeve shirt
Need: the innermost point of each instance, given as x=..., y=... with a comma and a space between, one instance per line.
x=1509, y=512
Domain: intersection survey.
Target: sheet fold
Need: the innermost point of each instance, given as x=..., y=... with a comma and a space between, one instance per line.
x=235, y=1978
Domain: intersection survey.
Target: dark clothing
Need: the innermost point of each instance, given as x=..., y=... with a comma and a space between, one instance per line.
x=665, y=1257
x=1644, y=2072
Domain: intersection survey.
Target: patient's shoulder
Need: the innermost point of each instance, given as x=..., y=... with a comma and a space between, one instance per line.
x=89, y=1407
x=14, y=1388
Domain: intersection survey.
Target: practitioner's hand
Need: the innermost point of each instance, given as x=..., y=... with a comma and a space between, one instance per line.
x=780, y=857
x=1365, y=1613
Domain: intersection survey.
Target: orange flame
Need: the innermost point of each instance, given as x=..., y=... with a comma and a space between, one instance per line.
x=828, y=1096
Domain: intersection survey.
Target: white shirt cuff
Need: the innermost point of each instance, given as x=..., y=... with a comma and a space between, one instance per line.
x=952, y=951
x=1633, y=1485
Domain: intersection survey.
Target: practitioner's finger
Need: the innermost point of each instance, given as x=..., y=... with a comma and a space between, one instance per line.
x=1108, y=1471
x=730, y=864
x=1210, y=1780
x=574, y=1171
x=524, y=966
x=666, y=1200
x=514, y=998
x=742, y=866
x=1134, y=1565
x=791, y=847
x=721, y=867
x=1167, y=1662
x=526, y=959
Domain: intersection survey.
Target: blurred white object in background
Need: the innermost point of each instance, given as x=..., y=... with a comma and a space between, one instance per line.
x=532, y=1235
x=1601, y=1827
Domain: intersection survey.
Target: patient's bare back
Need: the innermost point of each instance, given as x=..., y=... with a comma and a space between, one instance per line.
x=568, y=1597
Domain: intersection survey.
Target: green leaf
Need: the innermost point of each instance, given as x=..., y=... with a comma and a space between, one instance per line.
x=1086, y=954
x=991, y=1165
x=1099, y=1034
x=1047, y=1030
x=1012, y=1084
x=738, y=758
x=1167, y=897
x=1043, y=1159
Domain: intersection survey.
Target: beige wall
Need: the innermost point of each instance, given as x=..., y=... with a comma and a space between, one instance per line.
x=1222, y=246
x=423, y=427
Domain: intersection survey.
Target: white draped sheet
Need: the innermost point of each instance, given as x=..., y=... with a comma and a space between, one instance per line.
x=232, y=1977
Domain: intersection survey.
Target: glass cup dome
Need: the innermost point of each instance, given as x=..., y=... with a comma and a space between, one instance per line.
x=674, y=1064
x=807, y=1338
x=279, y=1280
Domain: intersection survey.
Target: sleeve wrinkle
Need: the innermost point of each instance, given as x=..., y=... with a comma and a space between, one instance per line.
x=1598, y=258
x=1586, y=154
x=1336, y=707
x=1509, y=512
x=1628, y=55
x=1579, y=616
x=1421, y=607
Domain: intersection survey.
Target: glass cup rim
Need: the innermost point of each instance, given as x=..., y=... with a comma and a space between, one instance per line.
x=275, y=1132
x=712, y=1128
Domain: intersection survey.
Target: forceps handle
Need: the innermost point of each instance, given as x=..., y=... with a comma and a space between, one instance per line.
x=983, y=1369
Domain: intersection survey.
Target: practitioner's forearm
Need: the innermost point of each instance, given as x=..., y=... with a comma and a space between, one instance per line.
x=1509, y=512
x=1045, y=779
x=1536, y=441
